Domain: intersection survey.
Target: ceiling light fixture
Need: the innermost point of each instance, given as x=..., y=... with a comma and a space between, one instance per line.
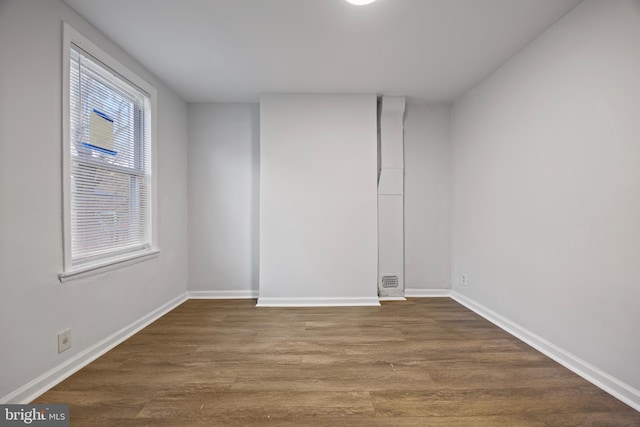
x=360, y=2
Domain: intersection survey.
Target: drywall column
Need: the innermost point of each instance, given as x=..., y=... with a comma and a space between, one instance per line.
x=318, y=226
x=391, y=199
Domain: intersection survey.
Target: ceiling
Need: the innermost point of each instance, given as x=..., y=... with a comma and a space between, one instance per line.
x=233, y=50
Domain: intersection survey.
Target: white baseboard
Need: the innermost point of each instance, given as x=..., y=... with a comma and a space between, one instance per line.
x=391, y=299
x=426, y=293
x=599, y=378
x=223, y=294
x=318, y=302
x=44, y=382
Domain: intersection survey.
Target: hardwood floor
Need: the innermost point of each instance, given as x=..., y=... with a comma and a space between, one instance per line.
x=424, y=362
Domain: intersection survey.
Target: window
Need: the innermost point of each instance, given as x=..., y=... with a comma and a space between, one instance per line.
x=108, y=162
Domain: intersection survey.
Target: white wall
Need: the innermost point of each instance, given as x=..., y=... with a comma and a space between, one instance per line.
x=318, y=191
x=427, y=205
x=224, y=174
x=34, y=306
x=546, y=188
x=224, y=185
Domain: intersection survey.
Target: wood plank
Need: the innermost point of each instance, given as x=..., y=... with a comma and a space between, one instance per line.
x=415, y=363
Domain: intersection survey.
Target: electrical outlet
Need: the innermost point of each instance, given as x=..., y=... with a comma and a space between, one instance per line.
x=64, y=340
x=463, y=279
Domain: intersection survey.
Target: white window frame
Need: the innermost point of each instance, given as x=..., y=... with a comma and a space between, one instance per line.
x=73, y=37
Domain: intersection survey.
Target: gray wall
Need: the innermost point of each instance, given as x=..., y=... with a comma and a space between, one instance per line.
x=224, y=168
x=427, y=204
x=224, y=176
x=546, y=188
x=34, y=306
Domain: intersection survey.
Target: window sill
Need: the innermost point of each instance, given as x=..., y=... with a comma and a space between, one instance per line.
x=92, y=270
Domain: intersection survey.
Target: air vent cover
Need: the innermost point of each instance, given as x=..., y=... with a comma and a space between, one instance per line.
x=389, y=282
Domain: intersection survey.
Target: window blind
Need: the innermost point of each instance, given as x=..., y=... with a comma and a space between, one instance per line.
x=110, y=165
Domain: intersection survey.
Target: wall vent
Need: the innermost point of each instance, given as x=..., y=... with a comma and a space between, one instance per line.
x=389, y=282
